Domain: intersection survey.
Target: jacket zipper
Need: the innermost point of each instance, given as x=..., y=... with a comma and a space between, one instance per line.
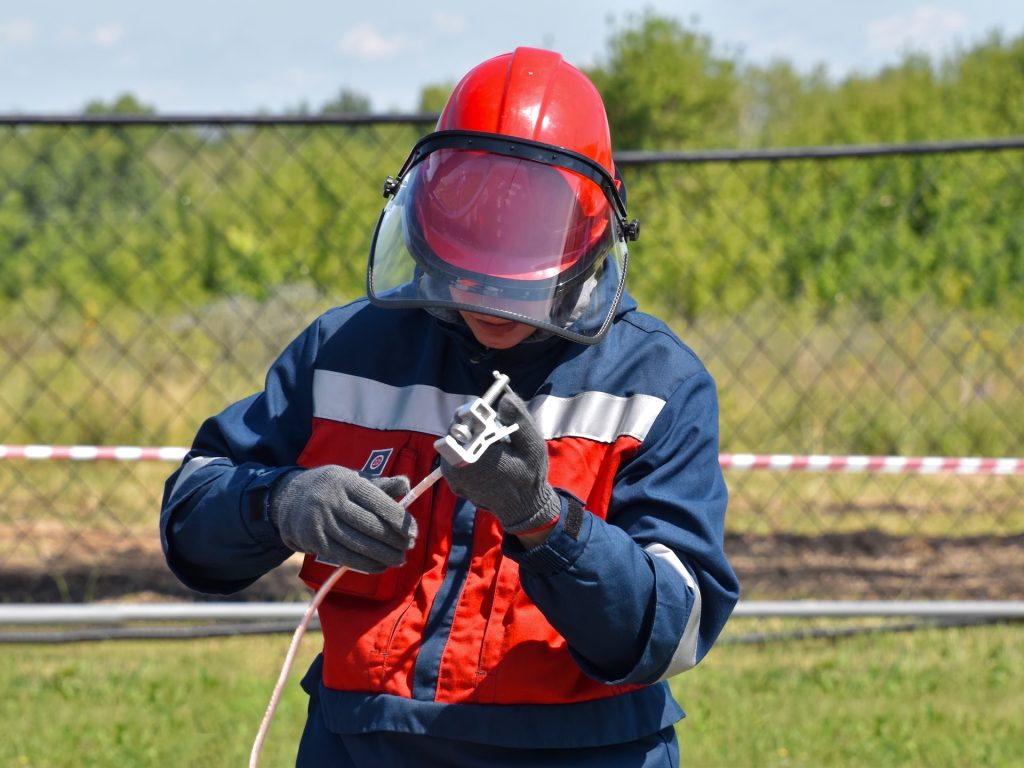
x=398, y=621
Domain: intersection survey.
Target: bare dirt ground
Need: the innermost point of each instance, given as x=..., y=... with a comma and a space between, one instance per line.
x=97, y=566
x=871, y=565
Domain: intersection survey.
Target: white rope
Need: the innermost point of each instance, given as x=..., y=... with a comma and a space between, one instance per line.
x=289, y=660
x=318, y=598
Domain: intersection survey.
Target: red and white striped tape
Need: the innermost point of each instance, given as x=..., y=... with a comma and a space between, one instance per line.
x=899, y=465
x=906, y=465
x=92, y=452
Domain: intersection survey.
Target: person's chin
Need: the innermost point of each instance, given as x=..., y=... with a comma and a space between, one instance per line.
x=498, y=334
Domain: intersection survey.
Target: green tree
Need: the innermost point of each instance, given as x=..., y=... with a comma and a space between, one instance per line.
x=347, y=102
x=985, y=88
x=779, y=106
x=433, y=97
x=125, y=104
x=665, y=87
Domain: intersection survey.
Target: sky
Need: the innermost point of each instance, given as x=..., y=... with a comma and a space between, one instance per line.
x=232, y=57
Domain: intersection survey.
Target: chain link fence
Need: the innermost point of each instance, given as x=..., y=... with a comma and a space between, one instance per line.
x=861, y=301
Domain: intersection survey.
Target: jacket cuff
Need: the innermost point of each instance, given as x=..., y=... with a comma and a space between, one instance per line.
x=567, y=541
x=255, y=502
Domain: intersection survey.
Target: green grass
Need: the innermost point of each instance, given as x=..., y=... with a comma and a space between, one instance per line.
x=937, y=697
x=162, y=703
x=940, y=697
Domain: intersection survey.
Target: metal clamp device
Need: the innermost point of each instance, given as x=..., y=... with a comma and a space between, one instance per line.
x=475, y=427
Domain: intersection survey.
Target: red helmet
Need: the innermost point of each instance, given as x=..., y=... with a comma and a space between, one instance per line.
x=512, y=206
x=533, y=94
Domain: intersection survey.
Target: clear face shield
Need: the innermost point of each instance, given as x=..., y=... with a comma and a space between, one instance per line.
x=512, y=229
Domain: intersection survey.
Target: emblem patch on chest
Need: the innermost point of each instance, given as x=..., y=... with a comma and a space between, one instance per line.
x=378, y=459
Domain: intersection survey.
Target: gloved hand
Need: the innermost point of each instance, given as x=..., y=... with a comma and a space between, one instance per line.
x=510, y=479
x=342, y=517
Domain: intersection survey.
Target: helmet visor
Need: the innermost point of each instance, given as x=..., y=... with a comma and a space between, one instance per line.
x=501, y=235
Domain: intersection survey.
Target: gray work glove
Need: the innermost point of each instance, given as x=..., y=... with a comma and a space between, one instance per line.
x=342, y=517
x=510, y=479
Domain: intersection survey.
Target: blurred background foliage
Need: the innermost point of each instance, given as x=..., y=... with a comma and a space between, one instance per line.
x=128, y=193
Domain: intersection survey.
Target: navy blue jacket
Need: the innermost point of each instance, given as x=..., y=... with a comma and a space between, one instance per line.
x=475, y=637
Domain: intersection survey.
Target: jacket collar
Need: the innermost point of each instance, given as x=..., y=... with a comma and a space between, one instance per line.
x=528, y=364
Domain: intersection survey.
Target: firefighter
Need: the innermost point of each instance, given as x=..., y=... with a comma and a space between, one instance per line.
x=529, y=609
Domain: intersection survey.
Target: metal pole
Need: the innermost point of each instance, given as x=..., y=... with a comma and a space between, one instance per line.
x=107, y=613
x=863, y=608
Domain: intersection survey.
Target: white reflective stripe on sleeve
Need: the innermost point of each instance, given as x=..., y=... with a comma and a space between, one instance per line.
x=197, y=463
x=685, y=656
x=368, y=403
x=596, y=415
